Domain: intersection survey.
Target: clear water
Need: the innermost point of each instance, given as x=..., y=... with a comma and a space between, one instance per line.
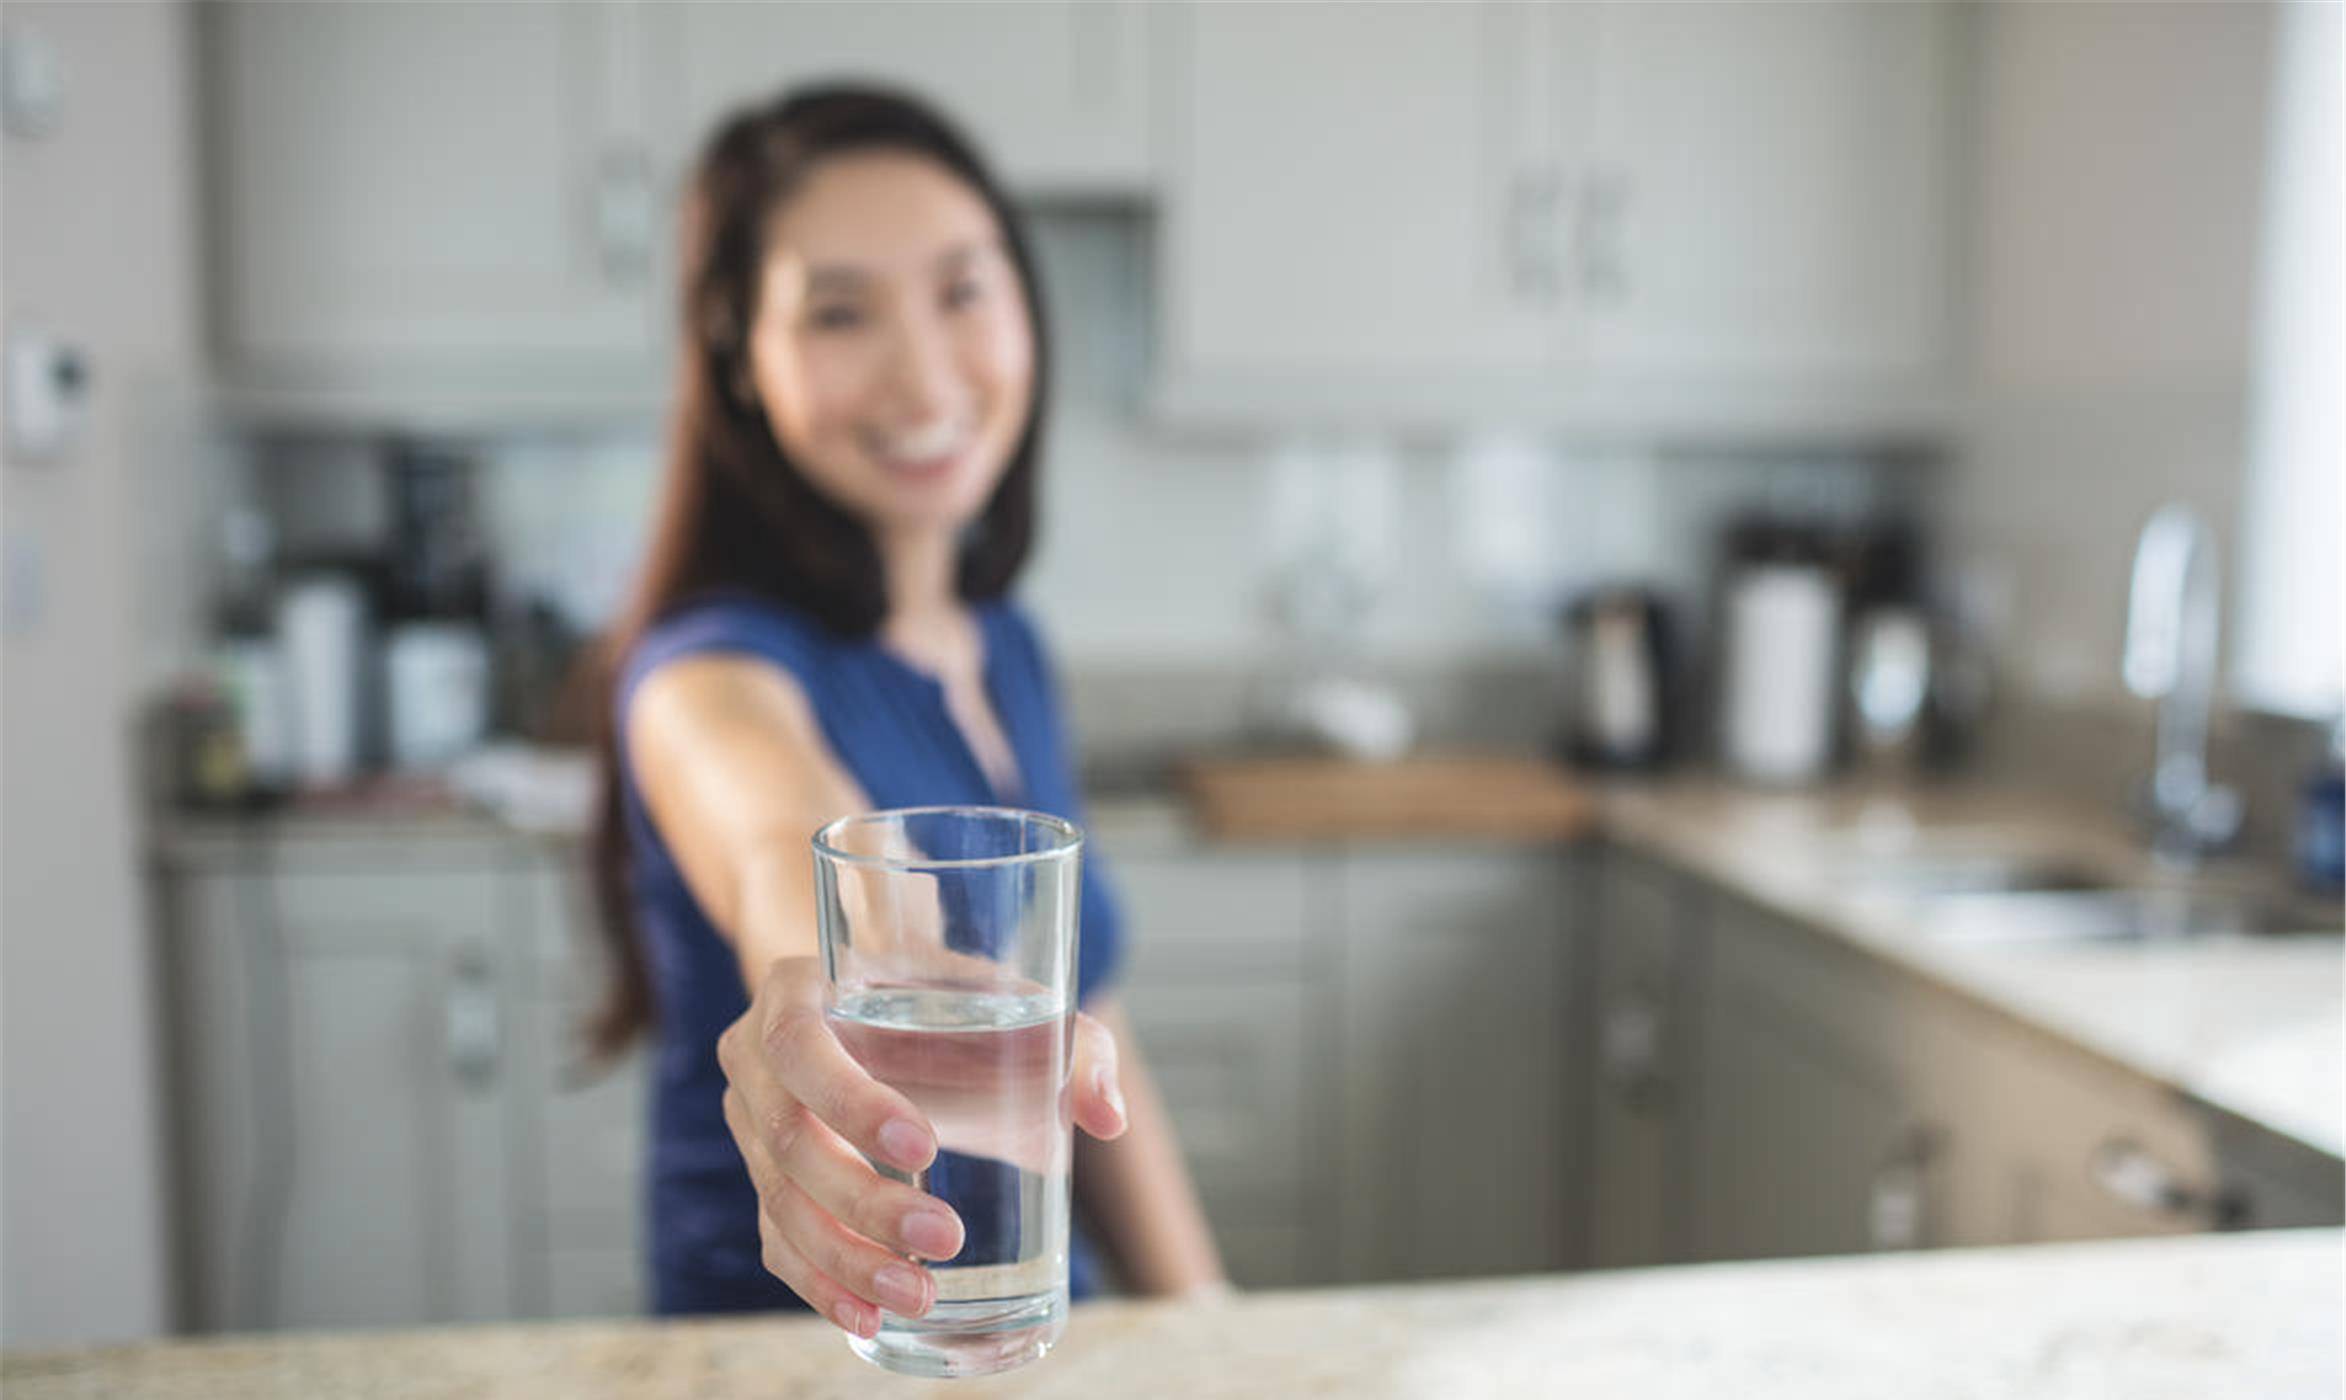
x=989, y=1068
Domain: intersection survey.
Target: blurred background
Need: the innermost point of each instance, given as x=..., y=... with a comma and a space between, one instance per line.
x=1584, y=443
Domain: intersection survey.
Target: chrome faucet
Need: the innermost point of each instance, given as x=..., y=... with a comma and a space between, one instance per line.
x=2171, y=659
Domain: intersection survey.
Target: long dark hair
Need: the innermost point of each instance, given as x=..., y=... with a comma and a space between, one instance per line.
x=735, y=514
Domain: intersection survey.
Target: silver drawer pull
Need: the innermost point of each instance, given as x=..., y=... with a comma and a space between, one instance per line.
x=473, y=1026
x=2128, y=1171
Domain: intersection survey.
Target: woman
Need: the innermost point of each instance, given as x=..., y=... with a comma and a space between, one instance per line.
x=822, y=626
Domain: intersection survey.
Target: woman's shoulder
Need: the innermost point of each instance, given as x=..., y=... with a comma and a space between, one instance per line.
x=728, y=623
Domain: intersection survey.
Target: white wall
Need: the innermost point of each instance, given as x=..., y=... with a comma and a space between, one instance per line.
x=97, y=244
x=2119, y=158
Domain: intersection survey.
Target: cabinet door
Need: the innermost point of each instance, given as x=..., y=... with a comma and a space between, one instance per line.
x=1642, y=1073
x=345, y=1046
x=1055, y=92
x=1768, y=197
x=1340, y=191
x=2086, y=1151
x=580, y=1218
x=1800, y=1145
x=1452, y=1151
x=1220, y=1001
x=411, y=184
x=1811, y=1135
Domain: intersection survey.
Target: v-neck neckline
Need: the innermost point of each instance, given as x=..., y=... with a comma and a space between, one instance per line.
x=990, y=681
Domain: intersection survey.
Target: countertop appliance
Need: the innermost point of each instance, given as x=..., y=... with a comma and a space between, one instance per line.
x=1622, y=691
x=322, y=626
x=1780, y=606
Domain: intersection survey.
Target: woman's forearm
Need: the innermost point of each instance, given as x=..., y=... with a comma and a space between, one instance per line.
x=1137, y=1190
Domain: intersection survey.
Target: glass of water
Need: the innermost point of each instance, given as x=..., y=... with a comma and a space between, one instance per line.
x=949, y=957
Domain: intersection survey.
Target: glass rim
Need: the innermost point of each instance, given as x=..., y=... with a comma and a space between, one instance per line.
x=1070, y=838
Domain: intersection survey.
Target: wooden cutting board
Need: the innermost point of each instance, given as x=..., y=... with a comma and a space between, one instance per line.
x=1489, y=797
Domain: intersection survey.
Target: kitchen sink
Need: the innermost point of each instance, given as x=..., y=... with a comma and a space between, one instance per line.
x=1947, y=874
x=2112, y=915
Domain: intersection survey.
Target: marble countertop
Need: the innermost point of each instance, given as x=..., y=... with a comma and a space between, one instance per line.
x=2249, y=1025
x=2199, y=1317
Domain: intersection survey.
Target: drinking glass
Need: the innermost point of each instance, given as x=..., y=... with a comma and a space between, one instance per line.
x=948, y=938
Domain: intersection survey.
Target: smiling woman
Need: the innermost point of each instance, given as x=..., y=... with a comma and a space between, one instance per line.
x=822, y=626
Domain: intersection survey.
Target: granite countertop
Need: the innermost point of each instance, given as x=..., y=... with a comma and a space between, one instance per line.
x=2201, y=1316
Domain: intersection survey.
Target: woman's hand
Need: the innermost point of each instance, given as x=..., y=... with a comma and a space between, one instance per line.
x=806, y=1116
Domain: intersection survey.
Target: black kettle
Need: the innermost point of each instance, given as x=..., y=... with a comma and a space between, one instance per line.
x=1622, y=693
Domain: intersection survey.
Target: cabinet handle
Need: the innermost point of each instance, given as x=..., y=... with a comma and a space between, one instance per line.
x=2126, y=1170
x=1534, y=273
x=1632, y=1053
x=473, y=1025
x=1898, y=1207
x=1603, y=265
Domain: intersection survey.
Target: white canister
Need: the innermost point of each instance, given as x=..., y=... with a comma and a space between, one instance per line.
x=436, y=675
x=321, y=633
x=1783, y=634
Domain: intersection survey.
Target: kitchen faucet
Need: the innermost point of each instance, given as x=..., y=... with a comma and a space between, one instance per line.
x=2171, y=659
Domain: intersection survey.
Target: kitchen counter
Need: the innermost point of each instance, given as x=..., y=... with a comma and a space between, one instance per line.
x=2205, y=1316
x=2248, y=1025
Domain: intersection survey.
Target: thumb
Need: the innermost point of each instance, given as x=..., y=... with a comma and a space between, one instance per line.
x=1096, y=1081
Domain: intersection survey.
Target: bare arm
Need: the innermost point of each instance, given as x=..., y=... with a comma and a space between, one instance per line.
x=1138, y=1190
x=737, y=776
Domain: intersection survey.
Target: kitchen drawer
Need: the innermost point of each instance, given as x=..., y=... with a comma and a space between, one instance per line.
x=1250, y=913
x=2085, y=1151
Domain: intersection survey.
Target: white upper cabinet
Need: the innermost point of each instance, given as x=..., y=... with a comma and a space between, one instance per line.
x=1054, y=92
x=1766, y=190
x=1512, y=206
x=416, y=185
x=465, y=207
x=1338, y=189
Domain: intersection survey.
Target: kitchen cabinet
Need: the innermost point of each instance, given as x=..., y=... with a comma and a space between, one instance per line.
x=1337, y=194
x=1060, y=100
x=1642, y=936
x=1679, y=211
x=1811, y=1140
x=384, y=1117
x=1452, y=1155
x=1768, y=192
x=1223, y=998
x=445, y=212
x=450, y=188
x=344, y=1139
x=583, y=1123
x=1762, y=1089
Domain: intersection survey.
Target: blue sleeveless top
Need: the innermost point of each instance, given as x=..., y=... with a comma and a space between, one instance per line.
x=887, y=723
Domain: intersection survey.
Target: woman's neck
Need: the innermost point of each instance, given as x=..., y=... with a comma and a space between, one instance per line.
x=925, y=622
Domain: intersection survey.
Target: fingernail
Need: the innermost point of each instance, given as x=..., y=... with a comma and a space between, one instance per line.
x=934, y=1234
x=900, y=1289
x=1106, y=1084
x=906, y=1143
x=850, y=1315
